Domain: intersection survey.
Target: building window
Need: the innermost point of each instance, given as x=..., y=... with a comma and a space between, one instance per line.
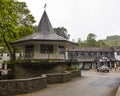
x=46, y=48
x=89, y=54
x=1, y=54
x=8, y=54
x=82, y=54
x=106, y=53
x=61, y=49
x=101, y=53
x=118, y=53
x=29, y=51
x=94, y=53
x=111, y=53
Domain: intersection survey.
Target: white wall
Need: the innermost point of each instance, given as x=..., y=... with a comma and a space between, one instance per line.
x=54, y=55
x=116, y=56
x=6, y=56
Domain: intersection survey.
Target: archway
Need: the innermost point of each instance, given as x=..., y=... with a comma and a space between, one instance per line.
x=104, y=61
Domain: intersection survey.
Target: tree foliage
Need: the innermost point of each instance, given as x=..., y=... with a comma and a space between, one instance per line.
x=113, y=40
x=91, y=41
x=15, y=22
x=91, y=36
x=25, y=20
x=62, y=32
x=8, y=21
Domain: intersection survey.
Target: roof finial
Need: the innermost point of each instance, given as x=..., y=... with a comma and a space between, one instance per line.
x=45, y=6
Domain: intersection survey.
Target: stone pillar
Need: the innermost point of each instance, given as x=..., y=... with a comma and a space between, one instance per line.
x=5, y=66
x=66, y=55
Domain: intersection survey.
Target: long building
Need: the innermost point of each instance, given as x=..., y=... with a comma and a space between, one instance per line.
x=93, y=57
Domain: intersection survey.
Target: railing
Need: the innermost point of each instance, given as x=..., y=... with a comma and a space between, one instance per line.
x=43, y=56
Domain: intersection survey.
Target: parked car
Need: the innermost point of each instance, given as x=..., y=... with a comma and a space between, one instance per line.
x=86, y=67
x=103, y=68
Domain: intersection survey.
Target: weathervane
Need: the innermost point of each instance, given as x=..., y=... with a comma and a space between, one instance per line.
x=45, y=6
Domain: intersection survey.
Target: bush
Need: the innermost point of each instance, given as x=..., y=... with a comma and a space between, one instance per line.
x=73, y=67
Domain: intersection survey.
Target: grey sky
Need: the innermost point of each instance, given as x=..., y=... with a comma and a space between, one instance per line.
x=80, y=17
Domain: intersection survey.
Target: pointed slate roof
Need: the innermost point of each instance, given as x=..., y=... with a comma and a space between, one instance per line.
x=44, y=24
x=44, y=32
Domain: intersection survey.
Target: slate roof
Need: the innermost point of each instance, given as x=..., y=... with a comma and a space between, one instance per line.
x=44, y=32
x=116, y=48
x=83, y=49
x=86, y=59
x=94, y=58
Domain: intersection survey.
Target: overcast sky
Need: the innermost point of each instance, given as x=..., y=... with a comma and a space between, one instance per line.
x=80, y=17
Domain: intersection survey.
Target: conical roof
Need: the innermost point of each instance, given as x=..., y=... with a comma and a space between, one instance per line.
x=44, y=24
x=44, y=32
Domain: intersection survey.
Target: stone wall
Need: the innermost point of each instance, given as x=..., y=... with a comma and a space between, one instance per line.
x=62, y=77
x=76, y=73
x=33, y=70
x=58, y=77
x=21, y=86
x=25, y=71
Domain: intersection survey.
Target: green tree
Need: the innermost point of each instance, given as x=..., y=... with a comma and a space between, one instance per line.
x=101, y=43
x=113, y=40
x=8, y=21
x=91, y=36
x=25, y=20
x=15, y=22
x=62, y=32
x=81, y=43
x=91, y=40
